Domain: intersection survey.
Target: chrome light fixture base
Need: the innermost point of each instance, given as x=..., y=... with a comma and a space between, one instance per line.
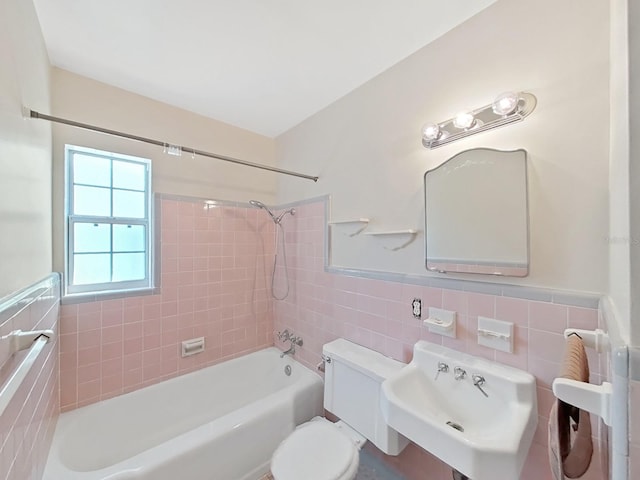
x=484, y=119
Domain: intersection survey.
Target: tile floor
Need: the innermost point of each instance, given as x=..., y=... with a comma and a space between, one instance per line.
x=371, y=468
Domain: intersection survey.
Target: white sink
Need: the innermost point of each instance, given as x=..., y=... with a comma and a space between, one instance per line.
x=484, y=437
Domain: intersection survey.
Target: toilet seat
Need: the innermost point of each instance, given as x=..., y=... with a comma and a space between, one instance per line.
x=316, y=450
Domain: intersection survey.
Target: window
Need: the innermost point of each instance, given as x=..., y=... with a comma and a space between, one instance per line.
x=108, y=224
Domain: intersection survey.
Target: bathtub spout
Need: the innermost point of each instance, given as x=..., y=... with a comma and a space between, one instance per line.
x=291, y=351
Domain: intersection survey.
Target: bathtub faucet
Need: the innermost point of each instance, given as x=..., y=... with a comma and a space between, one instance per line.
x=284, y=336
x=294, y=341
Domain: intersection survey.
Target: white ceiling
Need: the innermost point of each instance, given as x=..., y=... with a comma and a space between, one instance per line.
x=263, y=65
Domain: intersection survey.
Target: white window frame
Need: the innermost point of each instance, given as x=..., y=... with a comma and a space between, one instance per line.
x=71, y=220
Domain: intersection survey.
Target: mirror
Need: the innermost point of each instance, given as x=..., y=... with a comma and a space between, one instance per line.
x=476, y=214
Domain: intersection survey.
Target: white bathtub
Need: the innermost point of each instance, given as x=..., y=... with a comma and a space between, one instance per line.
x=219, y=423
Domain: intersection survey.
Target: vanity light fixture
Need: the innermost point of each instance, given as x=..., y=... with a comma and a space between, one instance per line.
x=505, y=103
x=508, y=107
x=431, y=131
x=464, y=121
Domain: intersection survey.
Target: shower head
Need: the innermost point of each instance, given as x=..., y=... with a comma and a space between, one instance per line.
x=291, y=211
x=276, y=220
x=257, y=204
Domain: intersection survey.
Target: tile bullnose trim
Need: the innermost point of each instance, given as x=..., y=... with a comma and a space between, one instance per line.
x=26, y=295
x=625, y=361
x=320, y=198
x=561, y=297
x=108, y=295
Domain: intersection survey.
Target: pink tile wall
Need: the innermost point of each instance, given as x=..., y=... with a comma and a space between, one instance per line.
x=27, y=425
x=377, y=314
x=215, y=268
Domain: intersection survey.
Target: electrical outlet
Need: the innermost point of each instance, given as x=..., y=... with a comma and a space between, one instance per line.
x=416, y=305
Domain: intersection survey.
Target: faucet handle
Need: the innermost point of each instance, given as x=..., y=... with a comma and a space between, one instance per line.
x=459, y=373
x=478, y=381
x=284, y=335
x=442, y=367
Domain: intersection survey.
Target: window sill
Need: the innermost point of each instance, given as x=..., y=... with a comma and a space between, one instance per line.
x=72, y=298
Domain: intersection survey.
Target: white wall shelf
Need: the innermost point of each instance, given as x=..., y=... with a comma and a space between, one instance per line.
x=393, y=232
x=410, y=235
x=345, y=222
x=359, y=223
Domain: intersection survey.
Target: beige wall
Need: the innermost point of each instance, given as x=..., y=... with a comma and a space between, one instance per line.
x=366, y=146
x=620, y=241
x=25, y=150
x=634, y=169
x=88, y=101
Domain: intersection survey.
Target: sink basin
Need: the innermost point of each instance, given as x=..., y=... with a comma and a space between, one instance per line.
x=483, y=437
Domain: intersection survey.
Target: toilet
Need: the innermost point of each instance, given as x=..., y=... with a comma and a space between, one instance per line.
x=322, y=450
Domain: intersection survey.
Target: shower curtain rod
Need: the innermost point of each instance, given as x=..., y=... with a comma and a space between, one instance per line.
x=42, y=116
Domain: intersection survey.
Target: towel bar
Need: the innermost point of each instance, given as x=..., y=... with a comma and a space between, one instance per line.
x=19, y=340
x=597, y=339
x=595, y=399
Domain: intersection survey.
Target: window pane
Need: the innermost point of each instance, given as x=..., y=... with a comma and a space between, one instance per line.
x=90, y=268
x=128, y=266
x=128, y=204
x=91, y=170
x=128, y=238
x=105, y=190
x=129, y=175
x=91, y=201
x=91, y=237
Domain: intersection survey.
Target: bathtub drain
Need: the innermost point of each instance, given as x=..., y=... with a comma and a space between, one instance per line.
x=287, y=370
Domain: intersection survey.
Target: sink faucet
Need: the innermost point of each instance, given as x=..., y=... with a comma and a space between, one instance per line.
x=294, y=341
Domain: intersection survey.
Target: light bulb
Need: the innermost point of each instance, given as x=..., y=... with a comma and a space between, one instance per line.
x=431, y=132
x=506, y=103
x=464, y=120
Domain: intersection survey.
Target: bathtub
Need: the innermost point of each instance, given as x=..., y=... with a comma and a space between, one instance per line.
x=219, y=423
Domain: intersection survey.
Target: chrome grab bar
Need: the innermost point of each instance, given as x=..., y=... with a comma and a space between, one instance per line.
x=19, y=340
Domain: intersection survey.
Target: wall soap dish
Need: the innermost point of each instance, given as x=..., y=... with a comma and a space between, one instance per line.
x=442, y=322
x=495, y=334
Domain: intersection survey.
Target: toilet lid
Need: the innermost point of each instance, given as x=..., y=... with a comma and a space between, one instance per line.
x=314, y=451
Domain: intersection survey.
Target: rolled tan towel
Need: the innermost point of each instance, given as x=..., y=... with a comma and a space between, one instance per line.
x=570, y=445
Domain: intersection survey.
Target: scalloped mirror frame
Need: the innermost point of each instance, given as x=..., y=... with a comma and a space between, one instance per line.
x=466, y=235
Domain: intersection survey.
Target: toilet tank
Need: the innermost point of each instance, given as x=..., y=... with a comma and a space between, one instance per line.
x=352, y=381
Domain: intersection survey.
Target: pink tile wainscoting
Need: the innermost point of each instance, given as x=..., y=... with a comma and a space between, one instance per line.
x=215, y=271
x=377, y=314
x=27, y=424
x=215, y=268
